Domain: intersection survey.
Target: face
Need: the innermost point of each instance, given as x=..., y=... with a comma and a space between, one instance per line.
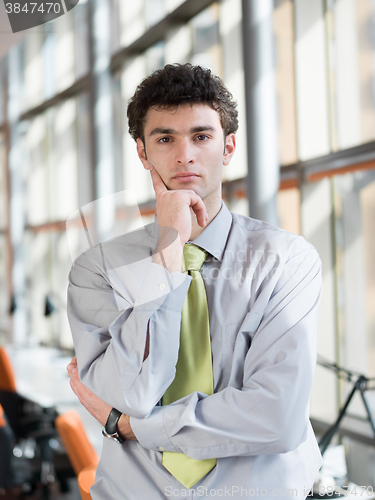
x=186, y=147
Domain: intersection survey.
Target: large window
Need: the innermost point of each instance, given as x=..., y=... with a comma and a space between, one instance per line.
x=325, y=87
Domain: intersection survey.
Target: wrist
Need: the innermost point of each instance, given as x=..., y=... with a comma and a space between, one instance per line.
x=110, y=429
x=169, y=255
x=124, y=428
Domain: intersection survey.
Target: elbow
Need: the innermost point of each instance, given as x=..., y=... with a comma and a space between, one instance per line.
x=140, y=412
x=138, y=407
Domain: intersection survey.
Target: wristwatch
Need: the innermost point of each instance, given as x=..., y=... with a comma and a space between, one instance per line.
x=110, y=428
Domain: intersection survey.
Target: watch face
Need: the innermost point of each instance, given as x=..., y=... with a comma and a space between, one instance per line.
x=113, y=436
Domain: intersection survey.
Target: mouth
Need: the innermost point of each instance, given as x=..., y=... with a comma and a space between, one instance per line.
x=185, y=176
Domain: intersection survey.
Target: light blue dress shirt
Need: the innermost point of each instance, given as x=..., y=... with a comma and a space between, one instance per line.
x=263, y=287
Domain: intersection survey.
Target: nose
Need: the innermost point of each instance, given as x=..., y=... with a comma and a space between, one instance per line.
x=185, y=152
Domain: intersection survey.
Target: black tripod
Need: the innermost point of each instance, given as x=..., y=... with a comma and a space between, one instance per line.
x=361, y=384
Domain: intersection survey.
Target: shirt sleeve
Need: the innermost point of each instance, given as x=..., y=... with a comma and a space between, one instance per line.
x=110, y=343
x=269, y=413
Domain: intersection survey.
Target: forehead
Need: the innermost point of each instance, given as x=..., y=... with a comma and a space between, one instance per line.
x=182, y=118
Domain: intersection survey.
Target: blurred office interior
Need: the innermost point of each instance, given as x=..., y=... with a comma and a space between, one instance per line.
x=64, y=143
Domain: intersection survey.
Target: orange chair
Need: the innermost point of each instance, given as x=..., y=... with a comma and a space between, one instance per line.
x=3, y=422
x=7, y=379
x=9, y=398
x=86, y=479
x=80, y=451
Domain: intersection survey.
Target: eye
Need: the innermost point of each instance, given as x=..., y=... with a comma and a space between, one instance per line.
x=164, y=139
x=202, y=137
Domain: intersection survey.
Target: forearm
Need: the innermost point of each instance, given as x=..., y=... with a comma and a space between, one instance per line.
x=121, y=376
x=111, y=359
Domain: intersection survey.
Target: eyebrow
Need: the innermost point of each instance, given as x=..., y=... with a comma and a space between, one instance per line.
x=171, y=131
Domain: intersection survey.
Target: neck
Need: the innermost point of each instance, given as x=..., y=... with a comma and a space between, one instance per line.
x=213, y=209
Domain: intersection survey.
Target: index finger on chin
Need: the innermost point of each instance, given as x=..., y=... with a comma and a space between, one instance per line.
x=157, y=182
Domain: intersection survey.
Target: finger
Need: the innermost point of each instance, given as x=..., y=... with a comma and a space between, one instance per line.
x=199, y=209
x=157, y=182
x=72, y=365
x=72, y=371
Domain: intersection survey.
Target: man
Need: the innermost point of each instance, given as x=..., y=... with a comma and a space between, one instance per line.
x=243, y=428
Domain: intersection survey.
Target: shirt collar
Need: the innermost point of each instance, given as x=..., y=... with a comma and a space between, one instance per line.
x=214, y=238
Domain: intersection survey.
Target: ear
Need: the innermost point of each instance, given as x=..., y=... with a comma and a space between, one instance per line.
x=230, y=147
x=142, y=154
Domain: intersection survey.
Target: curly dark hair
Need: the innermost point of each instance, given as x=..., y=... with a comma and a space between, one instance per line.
x=181, y=84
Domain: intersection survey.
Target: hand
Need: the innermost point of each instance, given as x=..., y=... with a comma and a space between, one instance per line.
x=94, y=405
x=173, y=207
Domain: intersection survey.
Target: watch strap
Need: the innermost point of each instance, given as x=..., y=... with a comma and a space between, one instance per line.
x=110, y=428
x=111, y=424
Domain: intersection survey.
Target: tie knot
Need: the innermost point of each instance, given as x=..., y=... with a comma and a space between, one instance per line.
x=193, y=257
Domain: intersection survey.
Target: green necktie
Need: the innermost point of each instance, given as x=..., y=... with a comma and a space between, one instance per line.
x=194, y=365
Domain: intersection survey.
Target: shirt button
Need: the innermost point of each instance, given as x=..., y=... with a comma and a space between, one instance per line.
x=161, y=448
x=162, y=286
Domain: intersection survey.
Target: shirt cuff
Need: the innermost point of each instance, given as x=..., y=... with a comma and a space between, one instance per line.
x=151, y=432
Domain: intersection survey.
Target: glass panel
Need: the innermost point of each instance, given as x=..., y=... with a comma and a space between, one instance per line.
x=154, y=12
x=155, y=57
x=33, y=57
x=64, y=63
x=52, y=165
x=132, y=22
x=136, y=178
x=36, y=171
x=4, y=295
x=352, y=71
x=311, y=79
x=47, y=266
x=178, y=44
x=81, y=38
x=37, y=271
x=288, y=205
x=368, y=213
x=54, y=54
x=283, y=21
x=48, y=55
x=2, y=89
x=354, y=216
x=355, y=269
x=3, y=186
x=60, y=267
x=230, y=26
x=63, y=161
x=206, y=49
x=316, y=227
